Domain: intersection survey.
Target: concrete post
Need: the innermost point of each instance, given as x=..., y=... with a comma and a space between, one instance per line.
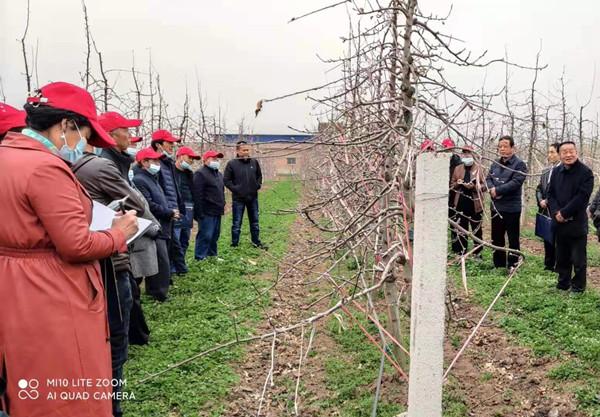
x=428, y=286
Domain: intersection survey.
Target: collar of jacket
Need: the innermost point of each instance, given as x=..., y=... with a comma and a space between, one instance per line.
x=120, y=157
x=509, y=161
x=85, y=158
x=576, y=164
x=145, y=172
x=20, y=141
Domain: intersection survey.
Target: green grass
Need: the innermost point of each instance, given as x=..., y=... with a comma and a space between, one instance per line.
x=351, y=372
x=198, y=316
x=550, y=322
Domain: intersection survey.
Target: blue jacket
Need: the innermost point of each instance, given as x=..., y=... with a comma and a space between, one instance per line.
x=166, y=179
x=507, y=177
x=148, y=185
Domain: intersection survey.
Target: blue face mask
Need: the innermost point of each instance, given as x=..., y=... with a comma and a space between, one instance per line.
x=131, y=152
x=153, y=169
x=214, y=165
x=98, y=151
x=72, y=155
x=185, y=165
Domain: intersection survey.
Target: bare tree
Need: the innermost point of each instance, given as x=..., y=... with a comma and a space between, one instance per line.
x=24, y=50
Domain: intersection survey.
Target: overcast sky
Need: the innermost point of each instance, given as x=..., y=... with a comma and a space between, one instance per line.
x=245, y=50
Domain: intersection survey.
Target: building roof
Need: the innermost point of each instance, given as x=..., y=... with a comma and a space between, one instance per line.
x=266, y=138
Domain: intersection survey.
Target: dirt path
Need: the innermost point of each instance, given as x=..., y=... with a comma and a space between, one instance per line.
x=498, y=378
x=287, y=307
x=494, y=377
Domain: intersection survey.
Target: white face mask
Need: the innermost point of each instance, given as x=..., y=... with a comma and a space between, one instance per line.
x=214, y=165
x=131, y=151
x=467, y=161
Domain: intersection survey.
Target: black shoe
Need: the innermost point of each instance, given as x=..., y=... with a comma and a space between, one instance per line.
x=261, y=246
x=561, y=288
x=234, y=245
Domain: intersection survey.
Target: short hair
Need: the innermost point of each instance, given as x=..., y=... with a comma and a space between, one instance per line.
x=156, y=142
x=508, y=138
x=40, y=117
x=555, y=145
x=567, y=142
x=240, y=143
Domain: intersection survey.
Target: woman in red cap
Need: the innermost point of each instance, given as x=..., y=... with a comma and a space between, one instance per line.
x=53, y=334
x=11, y=120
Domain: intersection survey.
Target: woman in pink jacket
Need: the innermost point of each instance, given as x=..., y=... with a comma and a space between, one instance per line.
x=54, y=350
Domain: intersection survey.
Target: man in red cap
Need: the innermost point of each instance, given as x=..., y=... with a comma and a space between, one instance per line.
x=164, y=142
x=105, y=179
x=209, y=204
x=118, y=127
x=146, y=180
x=184, y=177
x=11, y=120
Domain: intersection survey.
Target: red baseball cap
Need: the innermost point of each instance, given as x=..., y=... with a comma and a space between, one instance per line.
x=164, y=135
x=10, y=118
x=65, y=96
x=112, y=120
x=136, y=139
x=448, y=143
x=186, y=150
x=428, y=145
x=211, y=154
x=147, y=153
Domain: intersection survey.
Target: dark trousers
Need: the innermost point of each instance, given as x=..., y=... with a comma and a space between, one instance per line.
x=207, y=237
x=157, y=286
x=119, y=309
x=139, y=333
x=237, y=212
x=182, y=230
x=466, y=219
x=550, y=255
x=503, y=225
x=571, y=259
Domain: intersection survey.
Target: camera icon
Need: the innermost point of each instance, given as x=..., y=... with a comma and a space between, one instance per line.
x=28, y=389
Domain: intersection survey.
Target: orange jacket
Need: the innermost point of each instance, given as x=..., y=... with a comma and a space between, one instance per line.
x=52, y=304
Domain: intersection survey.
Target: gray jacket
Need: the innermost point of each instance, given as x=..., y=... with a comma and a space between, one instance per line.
x=102, y=180
x=142, y=253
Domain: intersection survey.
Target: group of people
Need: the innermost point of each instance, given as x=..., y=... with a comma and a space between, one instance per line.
x=563, y=195
x=70, y=295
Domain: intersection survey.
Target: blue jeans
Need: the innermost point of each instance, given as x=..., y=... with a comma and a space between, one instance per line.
x=237, y=212
x=207, y=237
x=118, y=322
x=182, y=230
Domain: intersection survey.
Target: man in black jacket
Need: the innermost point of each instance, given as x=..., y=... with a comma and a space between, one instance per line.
x=243, y=178
x=505, y=184
x=184, y=177
x=541, y=195
x=164, y=142
x=209, y=205
x=568, y=196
